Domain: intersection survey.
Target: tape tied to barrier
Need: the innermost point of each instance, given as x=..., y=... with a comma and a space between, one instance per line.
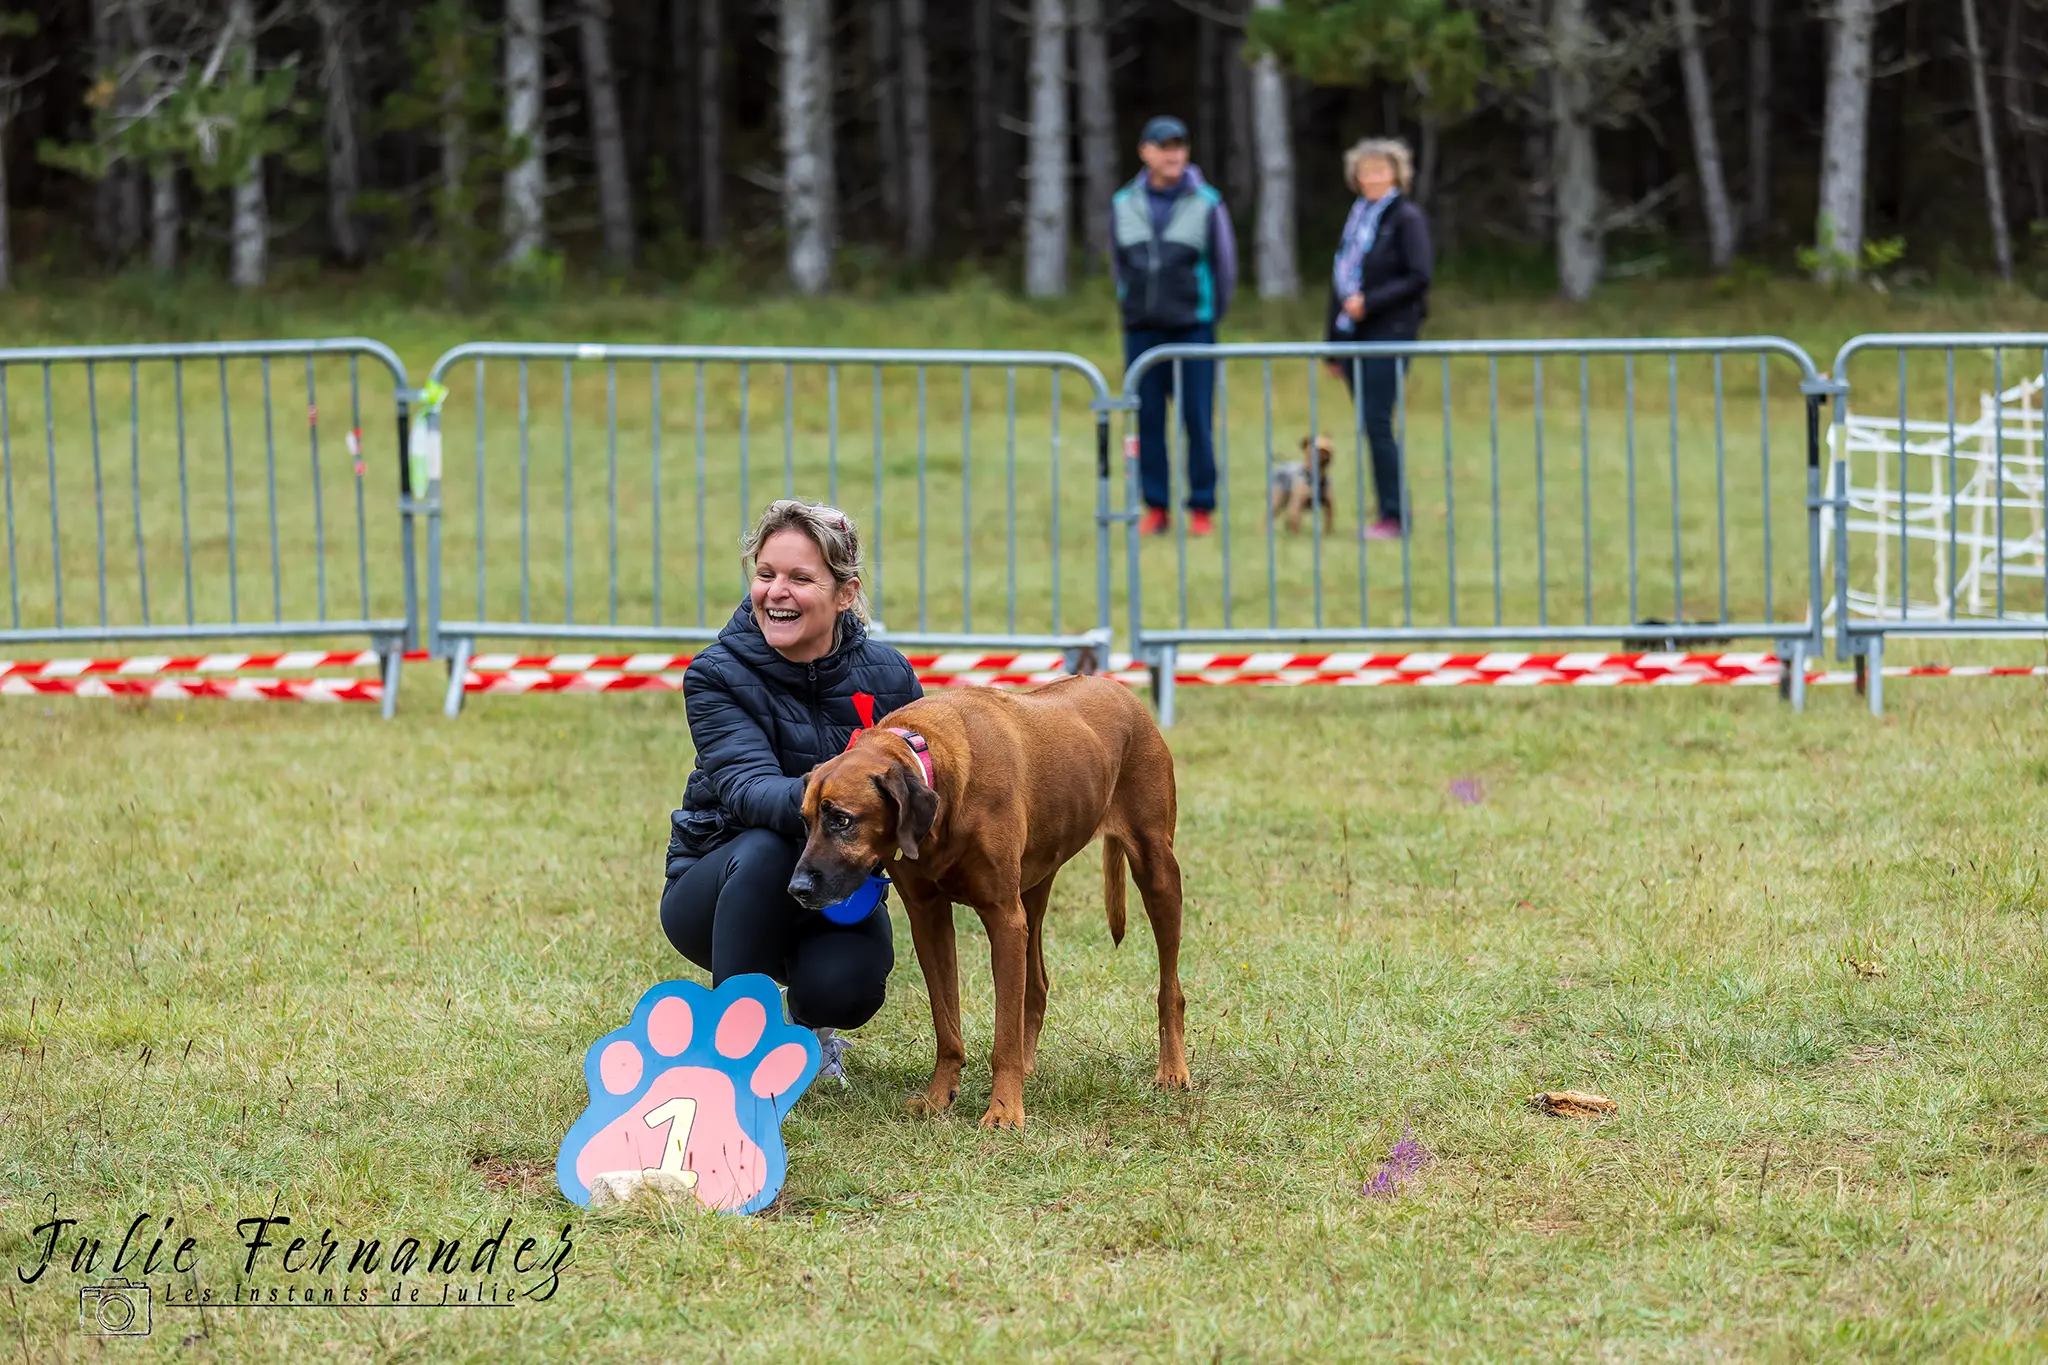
x=157, y=677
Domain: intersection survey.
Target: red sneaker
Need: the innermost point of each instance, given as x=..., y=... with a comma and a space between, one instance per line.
x=1157, y=522
x=1200, y=522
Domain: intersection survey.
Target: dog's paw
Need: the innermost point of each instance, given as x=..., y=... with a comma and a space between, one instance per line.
x=936, y=1099
x=1004, y=1114
x=690, y=1096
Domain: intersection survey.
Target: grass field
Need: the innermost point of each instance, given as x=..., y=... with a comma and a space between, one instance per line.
x=288, y=960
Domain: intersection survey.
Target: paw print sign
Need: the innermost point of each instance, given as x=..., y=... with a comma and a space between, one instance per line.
x=689, y=1097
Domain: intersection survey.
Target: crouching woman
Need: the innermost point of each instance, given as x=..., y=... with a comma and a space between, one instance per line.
x=789, y=680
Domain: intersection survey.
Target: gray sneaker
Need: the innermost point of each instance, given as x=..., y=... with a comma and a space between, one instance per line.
x=832, y=1066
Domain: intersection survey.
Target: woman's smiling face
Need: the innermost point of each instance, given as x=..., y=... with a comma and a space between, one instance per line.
x=796, y=601
x=1375, y=177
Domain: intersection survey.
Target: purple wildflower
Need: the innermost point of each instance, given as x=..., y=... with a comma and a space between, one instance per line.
x=1403, y=1164
x=1466, y=791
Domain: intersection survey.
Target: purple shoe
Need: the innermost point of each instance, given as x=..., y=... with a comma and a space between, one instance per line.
x=1386, y=528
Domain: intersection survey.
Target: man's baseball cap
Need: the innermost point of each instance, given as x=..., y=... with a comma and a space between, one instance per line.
x=1165, y=128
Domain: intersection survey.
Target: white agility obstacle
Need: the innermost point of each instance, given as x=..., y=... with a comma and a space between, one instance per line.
x=1944, y=514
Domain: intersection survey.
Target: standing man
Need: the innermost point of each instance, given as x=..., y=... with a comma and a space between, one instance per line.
x=1176, y=267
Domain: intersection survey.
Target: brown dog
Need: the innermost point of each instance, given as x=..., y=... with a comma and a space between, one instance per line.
x=1296, y=486
x=977, y=798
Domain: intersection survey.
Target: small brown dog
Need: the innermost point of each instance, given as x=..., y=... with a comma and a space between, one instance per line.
x=1296, y=488
x=977, y=798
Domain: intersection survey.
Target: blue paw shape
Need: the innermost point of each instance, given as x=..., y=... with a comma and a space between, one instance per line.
x=690, y=1095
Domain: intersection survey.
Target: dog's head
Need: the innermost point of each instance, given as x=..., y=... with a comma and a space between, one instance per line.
x=1325, y=452
x=862, y=809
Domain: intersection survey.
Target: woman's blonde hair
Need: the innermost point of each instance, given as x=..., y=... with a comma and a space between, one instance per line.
x=830, y=529
x=1391, y=150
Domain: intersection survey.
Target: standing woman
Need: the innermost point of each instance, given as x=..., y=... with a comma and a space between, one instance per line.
x=1379, y=291
x=789, y=680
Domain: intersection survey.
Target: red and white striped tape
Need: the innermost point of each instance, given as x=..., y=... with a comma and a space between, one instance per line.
x=155, y=664
x=506, y=674
x=183, y=689
x=1051, y=663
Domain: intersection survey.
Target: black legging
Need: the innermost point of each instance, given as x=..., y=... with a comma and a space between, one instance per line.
x=1381, y=378
x=730, y=912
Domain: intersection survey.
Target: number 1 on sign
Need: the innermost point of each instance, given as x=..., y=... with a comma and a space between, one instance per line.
x=679, y=1114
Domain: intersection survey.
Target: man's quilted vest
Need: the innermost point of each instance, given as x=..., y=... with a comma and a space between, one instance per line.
x=1164, y=280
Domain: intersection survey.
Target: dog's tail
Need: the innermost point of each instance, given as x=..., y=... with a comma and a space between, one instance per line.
x=1113, y=885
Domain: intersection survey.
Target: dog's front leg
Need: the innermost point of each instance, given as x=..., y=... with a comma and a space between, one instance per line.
x=1008, y=949
x=931, y=930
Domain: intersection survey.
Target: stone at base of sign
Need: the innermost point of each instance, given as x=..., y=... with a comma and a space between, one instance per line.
x=687, y=1100
x=623, y=1187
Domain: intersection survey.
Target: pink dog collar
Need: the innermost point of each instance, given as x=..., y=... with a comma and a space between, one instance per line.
x=921, y=749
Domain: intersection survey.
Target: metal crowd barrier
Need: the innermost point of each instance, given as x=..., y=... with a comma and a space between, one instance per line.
x=1936, y=501
x=1589, y=524
x=583, y=493
x=211, y=518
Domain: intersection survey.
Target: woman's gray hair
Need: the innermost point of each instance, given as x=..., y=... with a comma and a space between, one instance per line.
x=1391, y=150
x=830, y=529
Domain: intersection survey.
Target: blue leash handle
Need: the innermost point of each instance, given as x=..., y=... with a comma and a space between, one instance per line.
x=860, y=904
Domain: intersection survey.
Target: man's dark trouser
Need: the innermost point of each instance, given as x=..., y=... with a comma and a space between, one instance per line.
x=731, y=912
x=1381, y=379
x=1198, y=384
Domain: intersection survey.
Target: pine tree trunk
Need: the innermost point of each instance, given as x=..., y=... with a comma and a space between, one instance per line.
x=128, y=175
x=108, y=191
x=1097, y=111
x=1207, y=101
x=163, y=175
x=1046, y=219
x=607, y=135
x=2019, y=106
x=983, y=93
x=807, y=175
x=1539, y=198
x=711, y=119
x=1706, y=143
x=1427, y=153
x=1241, y=175
x=888, y=118
x=6, y=230
x=453, y=207
x=681, y=111
x=525, y=223
x=1757, y=210
x=338, y=100
x=1987, y=143
x=249, y=232
x=1272, y=137
x=1575, y=169
x=917, y=133
x=1838, y=232
x=164, y=222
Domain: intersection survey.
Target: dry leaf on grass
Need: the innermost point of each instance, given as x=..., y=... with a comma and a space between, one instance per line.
x=1572, y=1104
x=1865, y=969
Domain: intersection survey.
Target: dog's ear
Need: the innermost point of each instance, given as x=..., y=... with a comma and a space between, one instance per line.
x=917, y=806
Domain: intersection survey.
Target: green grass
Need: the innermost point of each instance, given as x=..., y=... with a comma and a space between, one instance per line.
x=291, y=959
x=308, y=961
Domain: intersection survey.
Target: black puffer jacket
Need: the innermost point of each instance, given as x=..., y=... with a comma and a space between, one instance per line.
x=1395, y=278
x=760, y=722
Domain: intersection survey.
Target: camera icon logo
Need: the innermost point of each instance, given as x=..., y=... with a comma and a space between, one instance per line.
x=114, y=1308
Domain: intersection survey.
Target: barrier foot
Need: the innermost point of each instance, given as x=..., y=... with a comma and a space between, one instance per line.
x=458, y=670
x=1164, y=663
x=1873, y=674
x=391, y=659
x=1792, y=673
